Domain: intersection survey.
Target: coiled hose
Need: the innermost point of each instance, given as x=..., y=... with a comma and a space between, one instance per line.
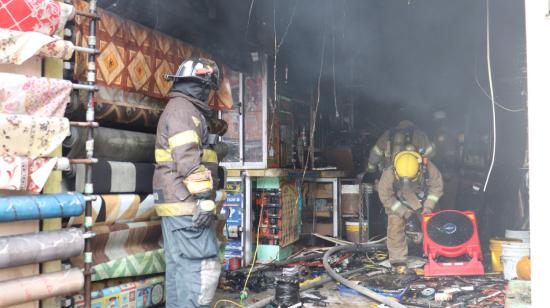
x=368, y=293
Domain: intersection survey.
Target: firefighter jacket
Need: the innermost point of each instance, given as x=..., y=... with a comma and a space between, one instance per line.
x=180, y=155
x=381, y=155
x=424, y=191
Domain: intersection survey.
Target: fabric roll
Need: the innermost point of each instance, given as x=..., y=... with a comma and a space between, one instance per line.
x=17, y=47
x=116, y=108
x=40, y=247
x=37, y=96
x=25, y=174
x=117, y=177
x=145, y=263
x=41, y=206
x=111, y=209
x=31, y=136
x=43, y=16
x=122, y=240
x=113, y=144
x=33, y=288
x=138, y=293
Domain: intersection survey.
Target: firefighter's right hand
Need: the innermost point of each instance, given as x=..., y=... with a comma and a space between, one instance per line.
x=204, y=213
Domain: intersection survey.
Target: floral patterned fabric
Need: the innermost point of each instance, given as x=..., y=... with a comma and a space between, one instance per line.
x=17, y=47
x=44, y=16
x=22, y=173
x=37, y=96
x=31, y=136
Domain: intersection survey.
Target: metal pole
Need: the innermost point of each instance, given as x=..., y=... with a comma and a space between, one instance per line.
x=88, y=188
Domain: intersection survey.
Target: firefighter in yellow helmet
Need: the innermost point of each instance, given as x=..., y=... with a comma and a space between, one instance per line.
x=411, y=186
x=393, y=141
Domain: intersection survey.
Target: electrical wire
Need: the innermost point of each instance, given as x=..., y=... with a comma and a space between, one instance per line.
x=255, y=253
x=291, y=19
x=476, y=78
x=490, y=76
x=249, y=15
x=228, y=301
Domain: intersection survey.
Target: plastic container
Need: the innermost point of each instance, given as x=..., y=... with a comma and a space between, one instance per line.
x=524, y=236
x=511, y=254
x=496, y=252
x=351, y=200
x=352, y=231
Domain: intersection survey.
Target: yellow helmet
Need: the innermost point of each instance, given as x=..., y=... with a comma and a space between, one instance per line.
x=407, y=164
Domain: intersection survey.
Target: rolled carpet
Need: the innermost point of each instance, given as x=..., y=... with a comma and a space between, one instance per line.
x=117, y=108
x=41, y=206
x=117, y=177
x=38, y=287
x=121, y=240
x=140, y=264
x=111, y=209
x=113, y=144
x=40, y=247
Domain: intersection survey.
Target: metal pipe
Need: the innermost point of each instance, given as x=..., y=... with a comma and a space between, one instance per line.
x=79, y=86
x=83, y=161
x=89, y=15
x=86, y=49
x=84, y=124
x=88, y=190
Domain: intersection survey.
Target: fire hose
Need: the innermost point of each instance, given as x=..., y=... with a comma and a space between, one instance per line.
x=364, y=291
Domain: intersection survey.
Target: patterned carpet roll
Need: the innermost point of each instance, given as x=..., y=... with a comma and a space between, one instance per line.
x=41, y=206
x=33, y=288
x=121, y=240
x=116, y=108
x=111, y=209
x=113, y=144
x=145, y=263
x=40, y=247
x=117, y=177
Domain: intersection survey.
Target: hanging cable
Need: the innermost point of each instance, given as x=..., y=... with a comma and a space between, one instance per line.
x=249, y=15
x=490, y=76
x=333, y=68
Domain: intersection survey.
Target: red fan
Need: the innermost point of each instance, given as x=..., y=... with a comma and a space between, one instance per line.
x=452, y=236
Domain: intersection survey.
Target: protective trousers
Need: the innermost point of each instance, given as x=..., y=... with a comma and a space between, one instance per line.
x=192, y=264
x=397, y=241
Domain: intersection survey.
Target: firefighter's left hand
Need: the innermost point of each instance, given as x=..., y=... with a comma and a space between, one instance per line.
x=426, y=210
x=204, y=213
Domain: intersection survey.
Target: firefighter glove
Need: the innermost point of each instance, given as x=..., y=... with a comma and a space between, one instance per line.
x=204, y=213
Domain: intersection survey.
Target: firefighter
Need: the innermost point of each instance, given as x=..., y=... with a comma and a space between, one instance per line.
x=393, y=141
x=183, y=187
x=410, y=187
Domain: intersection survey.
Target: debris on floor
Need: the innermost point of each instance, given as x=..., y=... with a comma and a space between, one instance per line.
x=301, y=281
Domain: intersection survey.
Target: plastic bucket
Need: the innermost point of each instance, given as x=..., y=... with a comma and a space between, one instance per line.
x=511, y=254
x=351, y=200
x=496, y=252
x=524, y=236
x=352, y=231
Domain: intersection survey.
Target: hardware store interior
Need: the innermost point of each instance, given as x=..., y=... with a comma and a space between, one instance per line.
x=355, y=153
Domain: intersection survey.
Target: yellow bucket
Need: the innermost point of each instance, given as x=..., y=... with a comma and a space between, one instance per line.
x=352, y=231
x=496, y=252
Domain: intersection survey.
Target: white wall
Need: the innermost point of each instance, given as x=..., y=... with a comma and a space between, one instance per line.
x=538, y=79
